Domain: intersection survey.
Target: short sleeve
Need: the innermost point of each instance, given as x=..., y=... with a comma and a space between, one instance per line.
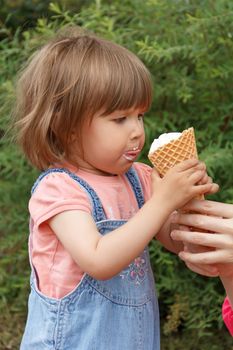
x=144, y=173
x=55, y=193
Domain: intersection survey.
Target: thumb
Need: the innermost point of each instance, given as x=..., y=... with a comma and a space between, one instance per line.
x=155, y=177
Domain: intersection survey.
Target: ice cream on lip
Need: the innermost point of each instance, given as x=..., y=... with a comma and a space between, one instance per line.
x=132, y=153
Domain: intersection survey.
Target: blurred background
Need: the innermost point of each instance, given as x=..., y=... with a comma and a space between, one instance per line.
x=188, y=47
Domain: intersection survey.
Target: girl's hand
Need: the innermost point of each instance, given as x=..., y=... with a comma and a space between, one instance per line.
x=207, y=179
x=181, y=183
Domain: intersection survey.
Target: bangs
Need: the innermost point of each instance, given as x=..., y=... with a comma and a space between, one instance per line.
x=121, y=81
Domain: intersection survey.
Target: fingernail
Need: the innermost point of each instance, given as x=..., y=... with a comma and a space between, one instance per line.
x=173, y=234
x=174, y=218
x=182, y=255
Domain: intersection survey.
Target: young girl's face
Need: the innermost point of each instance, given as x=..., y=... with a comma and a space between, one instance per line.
x=111, y=143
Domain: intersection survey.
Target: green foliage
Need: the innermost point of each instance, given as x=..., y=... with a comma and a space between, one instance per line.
x=25, y=13
x=188, y=47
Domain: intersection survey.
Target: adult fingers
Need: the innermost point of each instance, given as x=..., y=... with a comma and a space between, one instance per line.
x=205, y=270
x=210, y=257
x=223, y=241
x=210, y=208
x=195, y=248
x=210, y=223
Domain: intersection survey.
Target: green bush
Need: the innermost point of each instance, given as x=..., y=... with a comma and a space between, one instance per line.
x=188, y=47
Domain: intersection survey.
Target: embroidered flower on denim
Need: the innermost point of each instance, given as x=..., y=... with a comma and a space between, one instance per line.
x=136, y=271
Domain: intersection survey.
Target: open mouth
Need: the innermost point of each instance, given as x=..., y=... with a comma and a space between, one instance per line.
x=131, y=155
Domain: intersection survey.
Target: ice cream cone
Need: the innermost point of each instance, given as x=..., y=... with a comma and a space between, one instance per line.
x=175, y=151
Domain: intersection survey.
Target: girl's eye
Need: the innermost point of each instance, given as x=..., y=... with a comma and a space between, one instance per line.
x=140, y=116
x=120, y=120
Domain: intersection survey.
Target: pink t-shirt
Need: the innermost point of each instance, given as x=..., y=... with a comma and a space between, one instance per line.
x=227, y=314
x=57, y=272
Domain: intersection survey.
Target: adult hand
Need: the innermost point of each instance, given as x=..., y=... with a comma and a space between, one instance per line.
x=217, y=219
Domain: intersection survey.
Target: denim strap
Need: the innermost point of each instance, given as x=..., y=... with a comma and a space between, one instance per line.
x=97, y=209
x=134, y=180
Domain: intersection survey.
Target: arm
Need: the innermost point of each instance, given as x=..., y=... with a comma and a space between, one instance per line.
x=164, y=236
x=104, y=256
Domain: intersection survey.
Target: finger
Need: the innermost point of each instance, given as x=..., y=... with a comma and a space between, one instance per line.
x=186, y=164
x=195, y=176
x=203, y=164
x=222, y=241
x=205, y=179
x=183, y=228
x=155, y=173
x=205, y=270
x=199, y=166
x=155, y=177
x=214, y=188
x=202, y=189
x=210, y=223
x=196, y=248
x=211, y=208
x=212, y=257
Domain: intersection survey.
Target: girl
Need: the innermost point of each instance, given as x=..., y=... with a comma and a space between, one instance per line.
x=214, y=256
x=81, y=102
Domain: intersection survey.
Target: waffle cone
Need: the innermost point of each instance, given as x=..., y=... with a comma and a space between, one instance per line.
x=174, y=152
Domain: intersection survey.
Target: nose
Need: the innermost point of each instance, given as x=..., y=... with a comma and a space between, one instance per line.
x=137, y=128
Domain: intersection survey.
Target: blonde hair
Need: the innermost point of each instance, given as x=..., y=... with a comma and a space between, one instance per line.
x=67, y=81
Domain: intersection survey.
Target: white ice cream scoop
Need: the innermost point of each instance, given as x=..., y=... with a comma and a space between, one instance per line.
x=163, y=139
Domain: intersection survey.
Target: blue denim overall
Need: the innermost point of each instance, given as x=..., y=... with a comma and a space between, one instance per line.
x=117, y=314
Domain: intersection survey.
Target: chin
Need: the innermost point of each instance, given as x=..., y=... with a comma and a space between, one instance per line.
x=123, y=169
x=119, y=169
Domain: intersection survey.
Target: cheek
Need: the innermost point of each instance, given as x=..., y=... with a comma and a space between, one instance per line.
x=110, y=138
x=142, y=139
x=143, y=136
